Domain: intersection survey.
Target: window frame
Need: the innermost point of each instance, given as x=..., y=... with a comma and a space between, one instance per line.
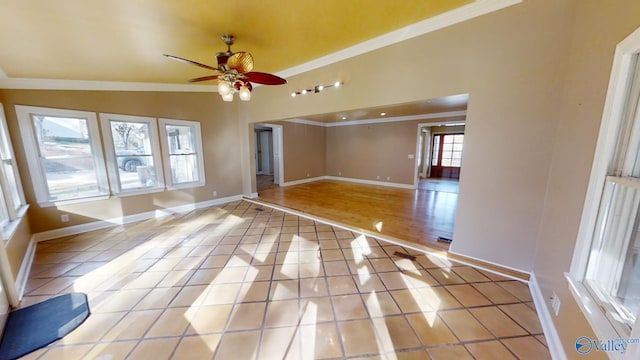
x=607, y=146
x=112, y=159
x=166, y=155
x=13, y=211
x=36, y=171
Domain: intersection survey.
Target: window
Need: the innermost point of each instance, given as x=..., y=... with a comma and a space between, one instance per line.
x=12, y=203
x=451, y=153
x=605, y=271
x=446, y=156
x=613, y=268
x=133, y=153
x=64, y=154
x=182, y=147
x=435, y=154
x=11, y=178
x=452, y=150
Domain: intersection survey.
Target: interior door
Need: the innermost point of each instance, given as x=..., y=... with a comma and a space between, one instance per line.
x=265, y=151
x=446, y=155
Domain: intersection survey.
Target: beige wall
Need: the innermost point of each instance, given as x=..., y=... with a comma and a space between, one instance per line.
x=17, y=246
x=511, y=63
x=375, y=151
x=598, y=28
x=219, y=131
x=304, y=148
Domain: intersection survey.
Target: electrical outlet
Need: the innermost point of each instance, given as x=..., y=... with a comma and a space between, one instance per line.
x=555, y=303
x=308, y=175
x=388, y=178
x=64, y=218
x=214, y=193
x=378, y=177
x=339, y=173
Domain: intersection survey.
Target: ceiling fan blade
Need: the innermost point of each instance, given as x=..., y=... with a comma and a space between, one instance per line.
x=264, y=78
x=204, y=78
x=242, y=62
x=191, y=62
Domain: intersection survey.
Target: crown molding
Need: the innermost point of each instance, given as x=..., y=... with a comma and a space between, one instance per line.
x=466, y=12
x=378, y=120
x=59, y=84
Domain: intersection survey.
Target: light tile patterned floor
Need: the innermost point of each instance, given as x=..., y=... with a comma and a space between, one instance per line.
x=244, y=281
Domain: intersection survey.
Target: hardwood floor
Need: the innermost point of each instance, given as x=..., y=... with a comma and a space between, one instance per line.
x=264, y=182
x=413, y=216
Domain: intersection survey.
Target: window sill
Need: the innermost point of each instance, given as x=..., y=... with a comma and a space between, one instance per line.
x=10, y=229
x=594, y=314
x=73, y=201
x=139, y=192
x=186, y=185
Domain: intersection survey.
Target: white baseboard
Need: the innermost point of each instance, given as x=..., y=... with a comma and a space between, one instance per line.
x=25, y=268
x=353, y=180
x=302, y=181
x=102, y=224
x=550, y=333
x=372, y=182
x=493, y=263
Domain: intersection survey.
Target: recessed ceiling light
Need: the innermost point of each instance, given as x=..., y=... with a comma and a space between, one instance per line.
x=383, y=114
x=344, y=118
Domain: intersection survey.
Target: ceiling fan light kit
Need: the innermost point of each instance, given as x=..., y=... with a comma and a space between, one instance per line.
x=234, y=73
x=316, y=89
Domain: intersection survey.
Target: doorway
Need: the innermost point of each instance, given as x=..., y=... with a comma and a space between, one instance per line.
x=268, y=159
x=446, y=155
x=440, y=149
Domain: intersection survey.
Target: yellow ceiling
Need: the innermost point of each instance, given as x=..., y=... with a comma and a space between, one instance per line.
x=123, y=40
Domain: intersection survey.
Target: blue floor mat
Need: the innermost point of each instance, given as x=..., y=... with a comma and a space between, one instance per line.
x=37, y=326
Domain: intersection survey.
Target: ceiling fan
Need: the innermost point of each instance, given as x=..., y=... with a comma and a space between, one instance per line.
x=233, y=72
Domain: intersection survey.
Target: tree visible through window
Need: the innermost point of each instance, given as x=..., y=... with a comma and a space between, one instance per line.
x=64, y=153
x=133, y=151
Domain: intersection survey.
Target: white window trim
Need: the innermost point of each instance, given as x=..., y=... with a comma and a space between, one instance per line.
x=15, y=212
x=15, y=208
x=38, y=177
x=112, y=163
x=611, y=120
x=167, y=158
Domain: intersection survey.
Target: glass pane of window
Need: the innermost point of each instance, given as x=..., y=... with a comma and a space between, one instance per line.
x=133, y=152
x=614, y=267
x=446, y=161
x=14, y=189
x=183, y=152
x=180, y=139
x=4, y=215
x=13, y=192
x=184, y=168
x=436, y=150
x=66, y=157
